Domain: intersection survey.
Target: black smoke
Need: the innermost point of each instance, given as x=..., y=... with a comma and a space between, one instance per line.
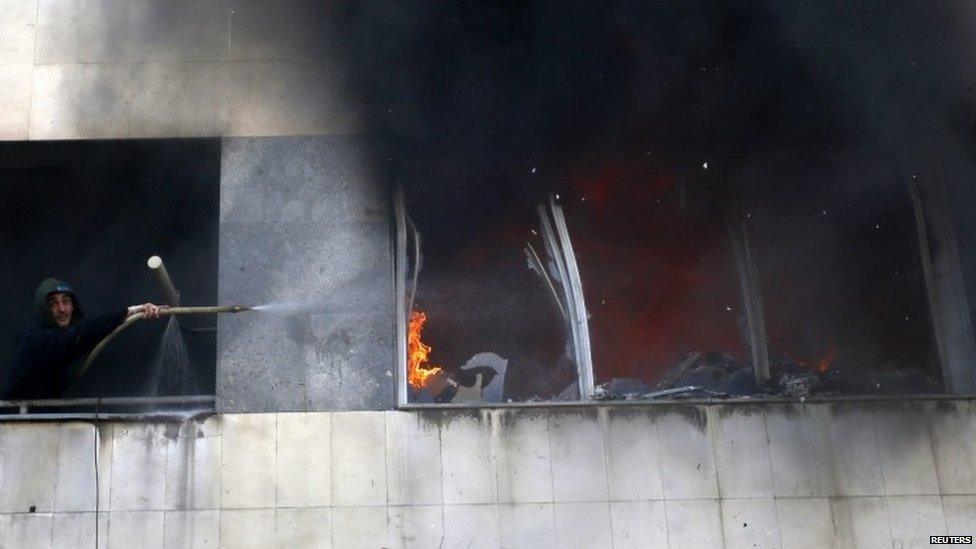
x=482, y=109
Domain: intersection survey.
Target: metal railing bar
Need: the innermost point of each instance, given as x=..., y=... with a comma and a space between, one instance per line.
x=108, y=416
x=108, y=401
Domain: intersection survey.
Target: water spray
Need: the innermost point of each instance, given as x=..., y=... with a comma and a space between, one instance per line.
x=169, y=311
x=155, y=263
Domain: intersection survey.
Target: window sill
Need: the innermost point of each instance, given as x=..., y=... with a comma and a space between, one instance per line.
x=739, y=401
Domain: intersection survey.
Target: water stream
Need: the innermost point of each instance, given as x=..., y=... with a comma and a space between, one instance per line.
x=171, y=367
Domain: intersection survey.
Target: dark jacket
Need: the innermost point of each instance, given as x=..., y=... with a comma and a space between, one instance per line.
x=46, y=352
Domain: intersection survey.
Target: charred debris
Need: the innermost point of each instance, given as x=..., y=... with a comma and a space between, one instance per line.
x=712, y=375
x=718, y=375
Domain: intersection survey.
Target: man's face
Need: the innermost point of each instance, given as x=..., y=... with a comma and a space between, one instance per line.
x=62, y=308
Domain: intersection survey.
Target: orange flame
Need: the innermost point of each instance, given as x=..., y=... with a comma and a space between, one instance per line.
x=824, y=364
x=418, y=367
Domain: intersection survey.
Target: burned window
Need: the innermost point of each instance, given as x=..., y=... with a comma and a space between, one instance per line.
x=842, y=284
x=685, y=285
x=90, y=214
x=492, y=303
x=657, y=259
x=809, y=284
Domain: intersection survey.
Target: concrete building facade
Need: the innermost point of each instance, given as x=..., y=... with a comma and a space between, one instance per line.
x=307, y=448
x=737, y=475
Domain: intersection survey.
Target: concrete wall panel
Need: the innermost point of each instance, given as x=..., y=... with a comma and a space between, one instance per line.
x=687, y=456
x=583, y=525
x=28, y=468
x=261, y=467
x=191, y=529
x=17, y=20
x=155, y=68
x=293, y=30
x=522, y=456
x=579, y=471
x=359, y=459
x=907, y=460
x=856, y=468
x=89, y=31
x=300, y=528
x=248, y=461
x=247, y=529
x=960, y=513
x=914, y=519
x=474, y=526
x=74, y=487
x=527, y=525
x=638, y=524
x=15, y=91
x=17, y=23
x=798, y=451
x=748, y=523
x=74, y=530
x=953, y=435
x=633, y=456
x=805, y=523
x=413, y=460
x=304, y=226
x=694, y=523
x=466, y=459
x=415, y=526
x=742, y=453
x=360, y=527
x=861, y=522
x=304, y=444
x=135, y=529
x=64, y=104
x=193, y=471
x=26, y=530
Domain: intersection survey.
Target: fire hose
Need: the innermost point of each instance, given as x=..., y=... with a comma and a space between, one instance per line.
x=162, y=312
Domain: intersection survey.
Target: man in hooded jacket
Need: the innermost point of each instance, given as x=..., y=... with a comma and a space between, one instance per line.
x=59, y=337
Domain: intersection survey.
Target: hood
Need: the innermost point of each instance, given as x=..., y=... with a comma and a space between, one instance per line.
x=41, y=308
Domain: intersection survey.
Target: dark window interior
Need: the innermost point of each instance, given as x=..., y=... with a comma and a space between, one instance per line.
x=842, y=283
x=479, y=295
x=839, y=276
x=91, y=213
x=658, y=270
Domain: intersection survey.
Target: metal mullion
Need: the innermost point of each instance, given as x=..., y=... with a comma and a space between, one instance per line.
x=400, y=288
x=580, y=322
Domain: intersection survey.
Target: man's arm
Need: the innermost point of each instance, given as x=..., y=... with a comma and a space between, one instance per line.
x=83, y=336
x=57, y=348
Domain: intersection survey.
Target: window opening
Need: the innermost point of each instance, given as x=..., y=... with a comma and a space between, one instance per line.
x=843, y=288
x=503, y=320
x=91, y=213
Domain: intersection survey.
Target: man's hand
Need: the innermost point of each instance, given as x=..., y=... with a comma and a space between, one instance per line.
x=149, y=309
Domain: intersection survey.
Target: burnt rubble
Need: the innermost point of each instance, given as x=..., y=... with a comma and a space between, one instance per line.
x=711, y=375
x=719, y=375
x=632, y=389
